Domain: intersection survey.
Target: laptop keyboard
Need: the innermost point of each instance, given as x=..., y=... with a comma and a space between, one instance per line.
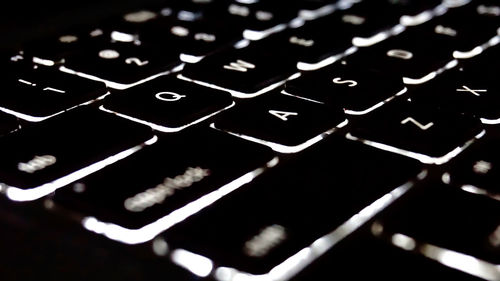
x=268, y=140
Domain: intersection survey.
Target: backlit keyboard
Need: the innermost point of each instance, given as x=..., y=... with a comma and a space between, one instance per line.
x=236, y=140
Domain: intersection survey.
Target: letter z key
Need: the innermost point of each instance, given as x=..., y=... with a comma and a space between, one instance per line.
x=425, y=133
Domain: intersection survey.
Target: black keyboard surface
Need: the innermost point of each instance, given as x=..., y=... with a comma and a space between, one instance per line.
x=231, y=140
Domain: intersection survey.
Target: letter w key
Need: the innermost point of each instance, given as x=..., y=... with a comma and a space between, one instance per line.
x=240, y=65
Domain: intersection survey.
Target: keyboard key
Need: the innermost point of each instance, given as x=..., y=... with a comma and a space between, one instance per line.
x=428, y=134
x=285, y=210
x=483, y=64
x=309, y=45
x=162, y=178
x=475, y=170
x=244, y=73
x=37, y=93
x=379, y=260
x=451, y=31
x=121, y=65
x=464, y=91
x=357, y=90
x=449, y=219
x=51, y=154
x=410, y=55
x=171, y=104
x=284, y=123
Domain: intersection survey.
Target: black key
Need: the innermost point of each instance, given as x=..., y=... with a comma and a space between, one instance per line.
x=451, y=31
x=51, y=154
x=378, y=260
x=475, y=170
x=410, y=55
x=245, y=72
x=428, y=134
x=311, y=45
x=284, y=123
x=484, y=64
x=287, y=209
x=471, y=92
x=448, y=219
x=171, y=104
x=358, y=91
x=162, y=178
x=121, y=65
x=8, y=124
x=37, y=93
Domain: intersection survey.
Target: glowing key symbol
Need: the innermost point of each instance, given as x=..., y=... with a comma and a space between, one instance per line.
x=482, y=167
x=283, y=115
x=240, y=65
x=350, y=83
x=109, y=54
x=136, y=61
x=400, y=54
x=169, y=96
x=472, y=91
x=422, y=127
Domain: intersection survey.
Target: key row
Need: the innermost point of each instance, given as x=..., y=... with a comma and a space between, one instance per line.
x=129, y=50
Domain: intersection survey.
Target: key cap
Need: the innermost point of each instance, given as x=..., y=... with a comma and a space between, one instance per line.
x=483, y=64
x=428, y=134
x=51, y=154
x=155, y=182
x=449, y=219
x=379, y=260
x=310, y=45
x=284, y=123
x=171, y=104
x=245, y=73
x=37, y=93
x=464, y=91
x=121, y=65
x=358, y=91
x=285, y=210
x=475, y=170
x=410, y=55
x=451, y=31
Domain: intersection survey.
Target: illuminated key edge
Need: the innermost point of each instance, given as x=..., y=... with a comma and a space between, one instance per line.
x=299, y=261
x=31, y=118
x=150, y=231
x=285, y=148
x=23, y=195
x=425, y=159
x=121, y=86
x=161, y=128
